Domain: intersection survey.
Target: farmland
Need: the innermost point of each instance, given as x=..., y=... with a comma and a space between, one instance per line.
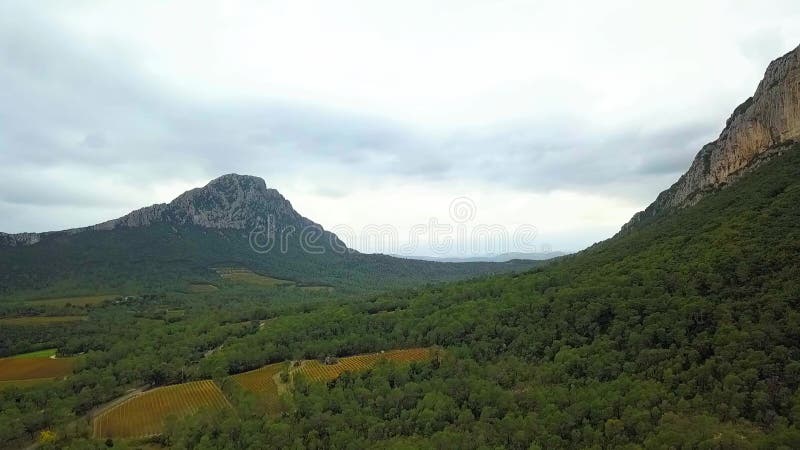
x=86, y=300
x=262, y=383
x=14, y=369
x=247, y=276
x=146, y=414
x=317, y=371
x=40, y=320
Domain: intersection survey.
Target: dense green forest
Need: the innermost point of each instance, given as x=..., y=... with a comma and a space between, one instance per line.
x=683, y=333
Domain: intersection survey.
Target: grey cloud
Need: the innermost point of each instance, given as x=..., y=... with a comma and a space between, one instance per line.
x=95, y=140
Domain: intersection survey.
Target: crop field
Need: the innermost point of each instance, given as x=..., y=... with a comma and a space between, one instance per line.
x=15, y=369
x=145, y=414
x=317, y=371
x=247, y=276
x=261, y=382
x=40, y=320
x=86, y=300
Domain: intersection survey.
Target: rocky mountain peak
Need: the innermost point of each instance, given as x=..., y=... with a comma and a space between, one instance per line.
x=758, y=128
x=232, y=201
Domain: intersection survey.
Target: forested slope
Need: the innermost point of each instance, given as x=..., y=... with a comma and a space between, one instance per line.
x=684, y=333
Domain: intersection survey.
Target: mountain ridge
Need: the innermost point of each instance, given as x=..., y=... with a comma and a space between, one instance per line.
x=502, y=257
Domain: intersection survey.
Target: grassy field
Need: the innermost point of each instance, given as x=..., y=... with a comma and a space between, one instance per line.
x=39, y=320
x=86, y=300
x=15, y=369
x=317, y=371
x=46, y=353
x=261, y=382
x=145, y=414
x=247, y=276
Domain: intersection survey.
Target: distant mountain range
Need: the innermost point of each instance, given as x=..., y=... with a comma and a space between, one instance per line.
x=501, y=258
x=233, y=221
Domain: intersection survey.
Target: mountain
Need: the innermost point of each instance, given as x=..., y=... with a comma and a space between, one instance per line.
x=503, y=257
x=682, y=332
x=760, y=128
x=233, y=202
x=233, y=221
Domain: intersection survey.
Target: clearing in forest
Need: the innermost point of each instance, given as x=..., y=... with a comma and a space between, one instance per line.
x=146, y=414
x=40, y=320
x=318, y=371
x=16, y=369
x=85, y=300
x=247, y=276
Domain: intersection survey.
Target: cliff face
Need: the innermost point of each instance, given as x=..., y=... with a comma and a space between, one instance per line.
x=756, y=129
x=237, y=202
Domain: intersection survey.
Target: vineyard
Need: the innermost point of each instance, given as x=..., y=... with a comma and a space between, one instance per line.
x=317, y=371
x=262, y=383
x=146, y=414
x=16, y=369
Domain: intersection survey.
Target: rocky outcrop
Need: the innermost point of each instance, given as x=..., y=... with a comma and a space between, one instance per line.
x=764, y=123
x=228, y=202
x=237, y=202
x=13, y=240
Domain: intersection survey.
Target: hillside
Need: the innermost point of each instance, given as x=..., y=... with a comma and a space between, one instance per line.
x=234, y=221
x=680, y=334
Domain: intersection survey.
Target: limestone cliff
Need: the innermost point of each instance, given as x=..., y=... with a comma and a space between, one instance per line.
x=758, y=128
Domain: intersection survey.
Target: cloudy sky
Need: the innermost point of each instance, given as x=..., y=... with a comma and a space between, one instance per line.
x=564, y=116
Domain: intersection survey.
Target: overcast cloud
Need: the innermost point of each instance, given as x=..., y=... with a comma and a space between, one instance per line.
x=569, y=118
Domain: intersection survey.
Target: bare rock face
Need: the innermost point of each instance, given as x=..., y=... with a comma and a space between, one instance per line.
x=13, y=240
x=238, y=202
x=763, y=123
x=229, y=202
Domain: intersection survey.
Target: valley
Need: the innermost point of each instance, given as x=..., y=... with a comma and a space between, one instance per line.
x=221, y=318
